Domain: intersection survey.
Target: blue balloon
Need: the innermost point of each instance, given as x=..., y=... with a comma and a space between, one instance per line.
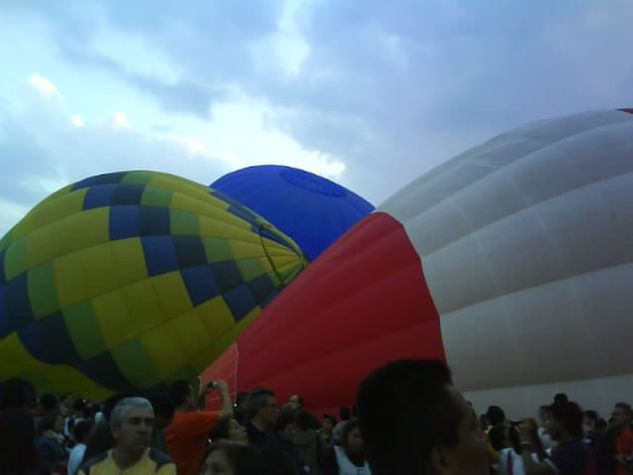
x=312, y=210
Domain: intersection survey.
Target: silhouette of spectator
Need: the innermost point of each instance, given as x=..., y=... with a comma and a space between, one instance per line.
x=570, y=456
x=263, y=413
x=414, y=421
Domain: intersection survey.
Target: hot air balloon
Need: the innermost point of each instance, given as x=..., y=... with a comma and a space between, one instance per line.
x=513, y=262
x=312, y=210
x=131, y=279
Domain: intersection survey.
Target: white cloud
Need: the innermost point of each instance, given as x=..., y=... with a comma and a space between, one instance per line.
x=119, y=119
x=77, y=120
x=42, y=84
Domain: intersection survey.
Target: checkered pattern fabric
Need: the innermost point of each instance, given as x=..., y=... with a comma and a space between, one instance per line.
x=128, y=280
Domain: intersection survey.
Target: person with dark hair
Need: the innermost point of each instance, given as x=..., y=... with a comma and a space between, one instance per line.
x=263, y=412
x=308, y=442
x=163, y=414
x=560, y=398
x=228, y=429
x=240, y=408
x=234, y=458
x=505, y=440
x=81, y=432
x=326, y=432
x=621, y=446
x=571, y=456
x=590, y=430
x=287, y=433
x=414, y=421
x=17, y=393
x=495, y=415
x=18, y=453
x=188, y=432
x=349, y=457
x=51, y=445
x=345, y=414
x=101, y=440
x=132, y=422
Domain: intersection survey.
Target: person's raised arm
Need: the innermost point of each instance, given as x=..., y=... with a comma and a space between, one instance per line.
x=226, y=411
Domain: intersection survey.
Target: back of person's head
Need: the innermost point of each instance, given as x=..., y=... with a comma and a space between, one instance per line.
x=569, y=416
x=258, y=398
x=628, y=412
x=498, y=436
x=561, y=398
x=48, y=402
x=404, y=411
x=120, y=411
x=17, y=441
x=345, y=413
x=331, y=418
x=82, y=430
x=16, y=392
x=163, y=407
x=284, y=420
x=495, y=415
x=591, y=415
x=179, y=391
x=306, y=421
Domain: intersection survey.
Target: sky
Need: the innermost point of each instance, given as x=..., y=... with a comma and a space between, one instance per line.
x=368, y=93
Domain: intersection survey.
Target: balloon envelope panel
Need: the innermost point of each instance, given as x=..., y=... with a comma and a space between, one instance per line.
x=131, y=279
x=313, y=210
x=523, y=245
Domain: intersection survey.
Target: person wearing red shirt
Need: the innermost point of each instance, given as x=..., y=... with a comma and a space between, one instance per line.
x=187, y=433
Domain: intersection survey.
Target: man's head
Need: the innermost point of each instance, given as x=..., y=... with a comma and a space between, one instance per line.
x=564, y=421
x=296, y=401
x=181, y=394
x=262, y=406
x=414, y=421
x=621, y=415
x=131, y=422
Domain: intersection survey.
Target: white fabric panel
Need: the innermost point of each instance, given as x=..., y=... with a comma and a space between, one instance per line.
x=527, y=248
x=599, y=394
x=569, y=329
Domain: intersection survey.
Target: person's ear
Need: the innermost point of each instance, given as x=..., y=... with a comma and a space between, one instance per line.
x=438, y=460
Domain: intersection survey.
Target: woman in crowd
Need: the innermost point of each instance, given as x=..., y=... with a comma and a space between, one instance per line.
x=349, y=457
x=51, y=445
x=228, y=429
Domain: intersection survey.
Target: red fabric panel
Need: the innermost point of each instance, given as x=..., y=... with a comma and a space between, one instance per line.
x=362, y=303
x=225, y=368
x=630, y=111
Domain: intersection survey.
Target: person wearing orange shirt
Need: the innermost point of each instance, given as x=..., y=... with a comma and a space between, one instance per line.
x=621, y=419
x=187, y=433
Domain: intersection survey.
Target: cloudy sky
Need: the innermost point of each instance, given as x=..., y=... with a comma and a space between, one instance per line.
x=369, y=93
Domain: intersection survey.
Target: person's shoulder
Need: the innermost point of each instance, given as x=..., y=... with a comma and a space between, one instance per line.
x=159, y=458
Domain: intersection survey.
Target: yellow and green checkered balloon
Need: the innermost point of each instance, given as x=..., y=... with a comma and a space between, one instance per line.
x=127, y=280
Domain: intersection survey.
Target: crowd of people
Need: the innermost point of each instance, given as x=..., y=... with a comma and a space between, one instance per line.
x=408, y=419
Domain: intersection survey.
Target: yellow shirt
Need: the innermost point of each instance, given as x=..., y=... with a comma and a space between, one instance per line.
x=152, y=461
